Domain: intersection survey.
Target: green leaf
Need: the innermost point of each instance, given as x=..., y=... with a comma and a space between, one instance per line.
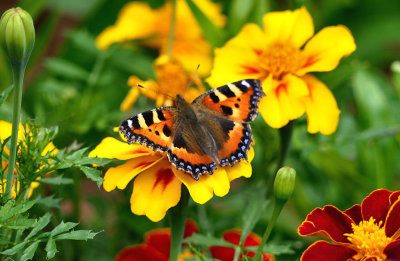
x=76, y=156
x=93, y=161
x=39, y=225
x=15, y=249
x=4, y=242
x=18, y=209
x=93, y=174
x=21, y=223
x=76, y=235
x=59, y=180
x=30, y=251
x=51, y=248
x=6, y=209
x=239, y=12
x=49, y=201
x=66, y=69
x=62, y=227
x=5, y=94
x=207, y=241
x=215, y=36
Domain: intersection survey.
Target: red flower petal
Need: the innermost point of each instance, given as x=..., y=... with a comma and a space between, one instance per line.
x=392, y=224
x=159, y=239
x=328, y=222
x=376, y=205
x=322, y=250
x=140, y=253
x=392, y=251
x=395, y=196
x=355, y=213
x=371, y=259
x=190, y=228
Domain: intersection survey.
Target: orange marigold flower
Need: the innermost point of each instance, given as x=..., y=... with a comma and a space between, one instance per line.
x=156, y=246
x=276, y=57
x=370, y=231
x=137, y=20
x=233, y=236
x=157, y=186
x=171, y=80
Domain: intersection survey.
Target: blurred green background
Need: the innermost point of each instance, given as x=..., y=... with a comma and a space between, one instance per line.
x=70, y=83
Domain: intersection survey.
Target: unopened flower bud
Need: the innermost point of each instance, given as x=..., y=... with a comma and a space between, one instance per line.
x=284, y=183
x=17, y=35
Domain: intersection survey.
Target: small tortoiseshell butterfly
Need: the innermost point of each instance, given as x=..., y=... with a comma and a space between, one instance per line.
x=212, y=130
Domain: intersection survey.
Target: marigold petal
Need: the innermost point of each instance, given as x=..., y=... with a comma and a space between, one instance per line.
x=155, y=191
x=159, y=239
x=394, y=197
x=203, y=189
x=121, y=175
x=354, y=213
x=229, y=66
x=322, y=250
x=6, y=129
x=321, y=107
x=135, y=20
x=140, y=253
x=112, y=148
x=392, y=223
x=241, y=169
x=376, y=205
x=293, y=27
x=392, y=251
x=328, y=222
x=324, y=51
x=130, y=99
x=285, y=101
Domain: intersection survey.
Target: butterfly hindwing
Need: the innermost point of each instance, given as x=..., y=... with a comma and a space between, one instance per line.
x=152, y=128
x=237, y=101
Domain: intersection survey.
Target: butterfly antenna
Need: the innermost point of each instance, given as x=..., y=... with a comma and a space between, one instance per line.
x=158, y=92
x=191, y=80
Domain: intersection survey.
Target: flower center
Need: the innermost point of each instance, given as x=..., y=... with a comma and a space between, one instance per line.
x=369, y=239
x=280, y=59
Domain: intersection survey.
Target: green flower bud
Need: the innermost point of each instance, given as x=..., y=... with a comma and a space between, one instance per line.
x=284, y=183
x=17, y=35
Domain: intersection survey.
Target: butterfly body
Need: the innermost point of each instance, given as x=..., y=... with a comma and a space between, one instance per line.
x=197, y=137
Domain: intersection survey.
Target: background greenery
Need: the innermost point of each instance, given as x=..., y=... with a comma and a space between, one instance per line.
x=78, y=88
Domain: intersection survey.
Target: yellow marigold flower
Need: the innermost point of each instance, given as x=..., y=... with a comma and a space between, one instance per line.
x=171, y=80
x=5, y=132
x=157, y=186
x=276, y=57
x=137, y=20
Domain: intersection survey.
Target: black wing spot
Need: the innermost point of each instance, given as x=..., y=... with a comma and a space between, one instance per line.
x=214, y=97
x=157, y=133
x=148, y=117
x=225, y=90
x=226, y=110
x=135, y=122
x=166, y=131
x=238, y=99
x=160, y=115
x=236, y=105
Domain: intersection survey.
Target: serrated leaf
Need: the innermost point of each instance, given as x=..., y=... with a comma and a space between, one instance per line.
x=93, y=161
x=29, y=252
x=5, y=94
x=39, y=225
x=62, y=227
x=49, y=201
x=77, y=155
x=215, y=36
x=51, y=248
x=58, y=180
x=93, y=174
x=204, y=240
x=15, y=249
x=20, y=223
x=76, y=235
x=6, y=209
x=18, y=209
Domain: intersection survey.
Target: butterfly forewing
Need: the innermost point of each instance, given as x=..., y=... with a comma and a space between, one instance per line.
x=152, y=128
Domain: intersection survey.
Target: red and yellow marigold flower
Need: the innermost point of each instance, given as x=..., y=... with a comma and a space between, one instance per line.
x=171, y=80
x=156, y=246
x=157, y=186
x=368, y=232
x=137, y=20
x=233, y=236
x=5, y=132
x=276, y=56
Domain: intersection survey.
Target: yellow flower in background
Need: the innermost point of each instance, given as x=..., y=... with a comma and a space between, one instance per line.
x=5, y=132
x=277, y=57
x=138, y=21
x=171, y=80
x=157, y=186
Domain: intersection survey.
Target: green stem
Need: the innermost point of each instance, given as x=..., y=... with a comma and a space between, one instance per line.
x=172, y=30
x=275, y=214
x=18, y=74
x=178, y=220
x=285, y=135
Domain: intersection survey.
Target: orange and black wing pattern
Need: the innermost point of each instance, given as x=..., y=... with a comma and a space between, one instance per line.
x=236, y=101
x=152, y=128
